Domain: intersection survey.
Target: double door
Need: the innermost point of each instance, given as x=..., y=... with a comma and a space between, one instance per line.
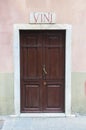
x=42, y=71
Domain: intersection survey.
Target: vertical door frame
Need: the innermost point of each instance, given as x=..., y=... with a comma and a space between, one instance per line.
x=16, y=36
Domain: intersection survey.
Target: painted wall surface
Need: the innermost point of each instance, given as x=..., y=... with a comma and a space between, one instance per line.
x=67, y=12
x=6, y=93
x=78, y=92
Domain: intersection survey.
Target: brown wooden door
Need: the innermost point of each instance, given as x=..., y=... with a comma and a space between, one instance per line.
x=42, y=71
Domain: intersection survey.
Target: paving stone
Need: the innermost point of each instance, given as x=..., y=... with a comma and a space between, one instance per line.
x=73, y=123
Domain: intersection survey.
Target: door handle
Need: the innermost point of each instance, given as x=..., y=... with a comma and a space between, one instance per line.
x=44, y=70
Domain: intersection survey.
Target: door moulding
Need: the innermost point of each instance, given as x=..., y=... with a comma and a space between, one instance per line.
x=68, y=29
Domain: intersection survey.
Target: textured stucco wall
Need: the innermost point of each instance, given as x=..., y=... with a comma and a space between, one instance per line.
x=6, y=93
x=79, y=92
x=67, y=12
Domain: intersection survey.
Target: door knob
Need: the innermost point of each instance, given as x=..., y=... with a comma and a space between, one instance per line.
x=45, y=83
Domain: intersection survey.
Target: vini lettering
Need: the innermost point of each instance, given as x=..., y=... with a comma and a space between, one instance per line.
x=42, y=17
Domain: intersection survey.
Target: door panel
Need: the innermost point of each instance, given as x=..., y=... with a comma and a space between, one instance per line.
x=55, y=55
x=52, y=61
x=32, y=96
x=31, y=71
x=55, y=77
x=53, y=96
x=42, y=59
x=31, y=51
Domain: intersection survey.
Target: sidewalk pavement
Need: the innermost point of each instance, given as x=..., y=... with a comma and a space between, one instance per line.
x=45, y=123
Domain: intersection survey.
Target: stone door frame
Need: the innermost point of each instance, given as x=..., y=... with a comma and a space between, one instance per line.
x=16, y=36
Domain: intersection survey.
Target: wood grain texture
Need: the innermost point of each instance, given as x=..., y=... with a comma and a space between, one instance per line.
x=42, y=70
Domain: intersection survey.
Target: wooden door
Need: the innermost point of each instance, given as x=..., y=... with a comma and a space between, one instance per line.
x=42, y=71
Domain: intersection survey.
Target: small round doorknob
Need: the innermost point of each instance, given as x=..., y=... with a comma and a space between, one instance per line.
x=45, y=83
